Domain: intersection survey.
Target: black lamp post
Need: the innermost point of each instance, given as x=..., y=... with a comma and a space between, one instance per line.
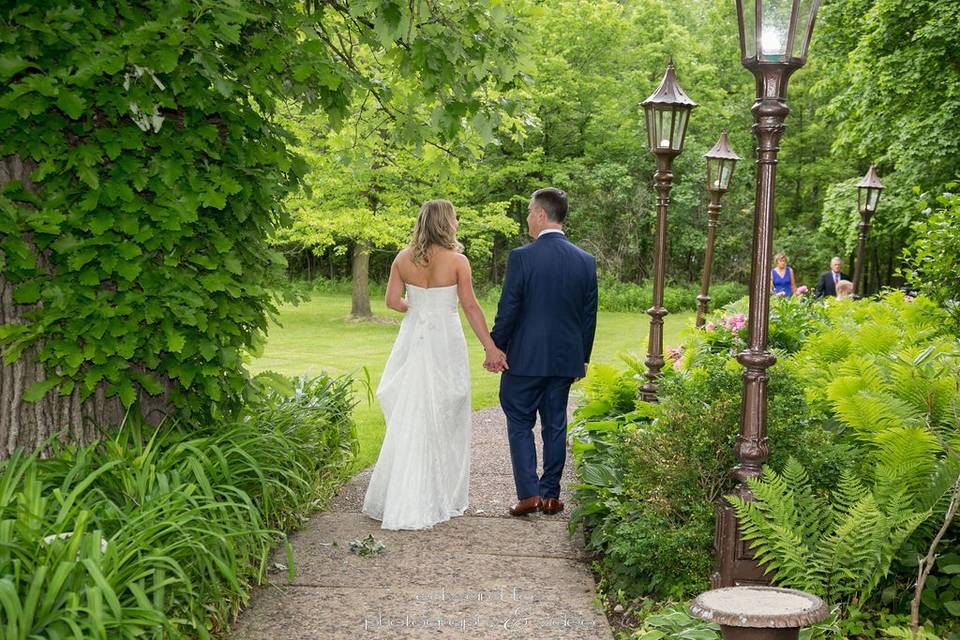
x=774, y=38
x=720, y=163
x=868, y=195
x=667, y=113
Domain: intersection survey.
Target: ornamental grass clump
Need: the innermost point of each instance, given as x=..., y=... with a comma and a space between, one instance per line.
x=161, y=532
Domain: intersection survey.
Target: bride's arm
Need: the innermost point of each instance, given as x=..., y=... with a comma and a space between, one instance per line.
x=471, y=308
x=393, y=297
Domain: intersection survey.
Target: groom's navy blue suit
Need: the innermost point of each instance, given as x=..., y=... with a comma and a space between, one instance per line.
x=546, y=320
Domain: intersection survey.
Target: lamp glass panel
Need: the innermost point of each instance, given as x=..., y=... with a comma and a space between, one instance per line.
x=679, y=128
x=873, y=196
x=665, y=125
x=651, y=114
x=804, y=16
x=749, y=17
x=726, y=171
x=713, y=171
x=774, y=28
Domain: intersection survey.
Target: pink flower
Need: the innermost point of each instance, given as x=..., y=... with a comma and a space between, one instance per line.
x=710, y=326
x=802, y=289
x=780, y=294
x=734, y=323
x=674, y=353
x=908, y=298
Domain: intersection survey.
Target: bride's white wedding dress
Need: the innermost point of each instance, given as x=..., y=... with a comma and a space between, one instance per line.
x=423, y=473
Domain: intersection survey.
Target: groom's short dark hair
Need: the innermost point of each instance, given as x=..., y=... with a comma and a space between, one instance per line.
x=553, y=202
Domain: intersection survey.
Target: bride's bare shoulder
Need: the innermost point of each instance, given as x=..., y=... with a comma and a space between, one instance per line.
x=404, y=255
x=450, y=255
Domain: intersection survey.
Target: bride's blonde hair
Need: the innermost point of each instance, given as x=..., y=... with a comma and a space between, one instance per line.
x=434, y=227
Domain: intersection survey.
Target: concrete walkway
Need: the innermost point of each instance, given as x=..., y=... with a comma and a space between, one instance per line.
x=481, y=575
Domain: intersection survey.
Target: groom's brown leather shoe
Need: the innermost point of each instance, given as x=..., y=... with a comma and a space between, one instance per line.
x=525, y=506
x=552, y=506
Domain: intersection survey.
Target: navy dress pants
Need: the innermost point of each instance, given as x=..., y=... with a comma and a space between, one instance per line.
x=522, y=397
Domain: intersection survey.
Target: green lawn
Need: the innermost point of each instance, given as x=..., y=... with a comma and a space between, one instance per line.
x=316, y=336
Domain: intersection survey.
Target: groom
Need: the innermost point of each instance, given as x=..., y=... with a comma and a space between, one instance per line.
x=545, y=323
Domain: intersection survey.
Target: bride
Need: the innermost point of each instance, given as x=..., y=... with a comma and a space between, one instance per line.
x=422, y=475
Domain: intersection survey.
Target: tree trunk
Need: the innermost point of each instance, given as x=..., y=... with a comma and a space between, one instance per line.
x=29, y=424
x=877, y=284
x=360, y=307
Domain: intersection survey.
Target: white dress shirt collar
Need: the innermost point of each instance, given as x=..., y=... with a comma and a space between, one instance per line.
x=560, y=231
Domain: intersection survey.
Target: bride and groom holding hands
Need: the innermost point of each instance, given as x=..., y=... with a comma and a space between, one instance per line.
x=540, y=345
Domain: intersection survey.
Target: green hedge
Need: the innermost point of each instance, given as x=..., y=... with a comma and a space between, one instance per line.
x=161, y=533
x=628, y=296
x=613, y=295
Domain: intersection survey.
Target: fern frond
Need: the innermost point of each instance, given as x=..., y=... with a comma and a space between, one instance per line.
x=877, y=336
x=849, y=492
x=775, y=543
x=924, y=379
x=846, y=556
x=907, y=458
x=888, y=540
x=865, y=367
x=867, y=412
x=833, y=346
x=810, y=507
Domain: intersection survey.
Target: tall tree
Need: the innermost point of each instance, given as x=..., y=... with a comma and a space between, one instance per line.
x=144, y=169
x=884, y=75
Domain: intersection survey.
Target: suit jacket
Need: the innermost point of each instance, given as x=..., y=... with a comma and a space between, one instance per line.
x=826, y=286
x=547, y=314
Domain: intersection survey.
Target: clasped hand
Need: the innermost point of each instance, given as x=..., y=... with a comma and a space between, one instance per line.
x=496, y=360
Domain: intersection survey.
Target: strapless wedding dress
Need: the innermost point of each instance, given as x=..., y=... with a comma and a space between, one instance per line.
x=422, y=475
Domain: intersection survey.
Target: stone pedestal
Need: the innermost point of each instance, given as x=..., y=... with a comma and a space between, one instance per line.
x=759, y=613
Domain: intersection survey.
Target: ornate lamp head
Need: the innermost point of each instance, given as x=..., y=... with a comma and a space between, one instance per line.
x=720, y=163
x=775, y=31
x=667, y=113
x=868, y=191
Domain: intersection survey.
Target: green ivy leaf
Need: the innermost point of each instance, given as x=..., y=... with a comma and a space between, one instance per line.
x=150, y=384
x=128, y=270
x=71, y=104
x=129, y=250
x=214, y=199
x=28, y=292
x=127, y=393
x=88, y=176
x=175, y=341
x=232, y=264
x=11, y=65
x=36, y=391
x=214, y=281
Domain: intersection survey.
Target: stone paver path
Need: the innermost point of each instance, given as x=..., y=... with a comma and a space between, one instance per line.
x=481, y=575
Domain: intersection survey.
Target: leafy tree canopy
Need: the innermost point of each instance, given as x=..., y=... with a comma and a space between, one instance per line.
x=156, y=166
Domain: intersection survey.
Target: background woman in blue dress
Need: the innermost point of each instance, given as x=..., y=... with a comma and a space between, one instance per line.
x=781, y=277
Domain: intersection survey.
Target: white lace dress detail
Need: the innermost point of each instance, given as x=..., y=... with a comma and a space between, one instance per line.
x=422, y=475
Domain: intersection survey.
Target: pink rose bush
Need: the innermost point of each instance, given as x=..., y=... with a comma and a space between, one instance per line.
x=726, y=335
x=735, y=323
